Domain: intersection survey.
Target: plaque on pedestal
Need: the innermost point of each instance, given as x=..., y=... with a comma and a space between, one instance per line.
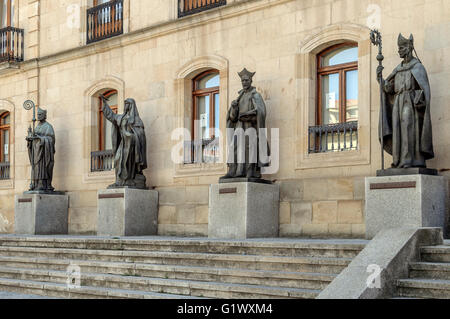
x=243, y=210
x=127, y=212
x=414, y=201
x=43, y=213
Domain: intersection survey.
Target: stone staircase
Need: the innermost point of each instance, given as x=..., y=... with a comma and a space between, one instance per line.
x=429, y=278
x=157, y=267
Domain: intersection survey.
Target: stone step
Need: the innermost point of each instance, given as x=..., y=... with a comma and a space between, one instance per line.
x=159, y=285
x=429, y=270
x=62, y=291
x=435, y=254
x=424, y=288
x=211, y=274
x=294, y=264
x=265, y=247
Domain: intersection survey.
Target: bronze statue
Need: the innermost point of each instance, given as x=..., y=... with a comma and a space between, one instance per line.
x=129, y=145
x=246, y=115
x=41, y=151
x=405, y=120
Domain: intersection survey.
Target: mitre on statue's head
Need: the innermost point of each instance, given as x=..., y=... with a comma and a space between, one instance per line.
x=402, y=41
x=247, y=73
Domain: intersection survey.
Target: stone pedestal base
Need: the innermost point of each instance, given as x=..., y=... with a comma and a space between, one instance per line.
x=413, y=201
x=41, y=214
x=243, y=210
x=127, y=212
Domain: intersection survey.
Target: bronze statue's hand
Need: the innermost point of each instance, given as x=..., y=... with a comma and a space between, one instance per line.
x=235, y=104
x=380, y=73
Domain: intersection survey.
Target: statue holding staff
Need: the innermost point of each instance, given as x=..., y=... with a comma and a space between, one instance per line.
x=405, y=119
x=41, y=151
x=129, y=145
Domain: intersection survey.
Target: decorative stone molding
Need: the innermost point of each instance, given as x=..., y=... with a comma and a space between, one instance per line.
x=184, y=106
x=91, y=124
x=306, y=75
x=7, y=106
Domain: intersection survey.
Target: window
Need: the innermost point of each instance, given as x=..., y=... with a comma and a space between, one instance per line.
x=5, y=122
x=105, y=126
x=104, y=20
x=188, y=7
x=102, y=158
x=205, y=117
x=6, y=13
x=337, y=106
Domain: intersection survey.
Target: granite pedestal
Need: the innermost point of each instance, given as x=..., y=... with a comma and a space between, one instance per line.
x=243, y=210
x=41, y=214
x=411, y=201
x=127, y=212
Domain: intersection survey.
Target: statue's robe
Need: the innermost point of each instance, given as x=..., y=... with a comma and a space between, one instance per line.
x=129, y=146
x=41, y=152
x=249, y=101
x=405, y=123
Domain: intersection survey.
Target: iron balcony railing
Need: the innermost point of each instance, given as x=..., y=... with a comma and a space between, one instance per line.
x=187, y=7
x=11, y=44
x=201, y=151
x=333, y=138
x=104, y=21
x=4, y=171
x=102, y=161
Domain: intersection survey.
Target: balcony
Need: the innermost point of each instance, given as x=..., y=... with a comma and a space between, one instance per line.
x=201, y=151
x=102, y=161
x=4, y=171
x=333, y=138
x=104, y=21
x=11, y=45
x=188, y=7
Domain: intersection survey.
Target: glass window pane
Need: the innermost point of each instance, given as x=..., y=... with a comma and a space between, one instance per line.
x=340, y=56
x=3, y=13
x=203, y=117
x=330, y=99
x=107, y=138
x=12, y=13
x=6, y=120
x=352, y=95
x=209, y=81
x=5, y=143
x=112, y=99
x=217, y=114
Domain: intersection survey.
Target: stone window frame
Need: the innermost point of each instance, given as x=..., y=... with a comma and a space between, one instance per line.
x=7, y=106
x=184, y=104
x=91, y=125
x=306, y=75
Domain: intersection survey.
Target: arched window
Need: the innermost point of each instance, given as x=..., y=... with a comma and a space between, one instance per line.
x=5, y=122
x=104, y=126
x=205, y=117
x=337, y=100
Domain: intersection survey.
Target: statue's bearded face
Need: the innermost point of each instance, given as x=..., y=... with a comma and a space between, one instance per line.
x=246, y=82
x=404, y=51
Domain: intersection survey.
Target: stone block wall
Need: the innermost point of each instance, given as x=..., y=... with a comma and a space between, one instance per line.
x=326, y=207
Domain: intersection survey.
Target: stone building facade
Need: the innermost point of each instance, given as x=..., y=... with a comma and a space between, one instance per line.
x=160, y=49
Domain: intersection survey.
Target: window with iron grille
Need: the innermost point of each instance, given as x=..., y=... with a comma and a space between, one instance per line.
x=104, y=20
x=336, y=126
x=204, y=144
x=5, y=141
x=188, y=7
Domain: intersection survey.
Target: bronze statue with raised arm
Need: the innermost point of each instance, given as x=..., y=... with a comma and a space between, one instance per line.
x=129, y=145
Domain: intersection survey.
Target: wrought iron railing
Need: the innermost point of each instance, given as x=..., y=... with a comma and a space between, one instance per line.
x=4, y=171
x=11, y=45
x=333, y=138
x=102, y=161
x=104, y=21
x=201, y=151
x=187, y=7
